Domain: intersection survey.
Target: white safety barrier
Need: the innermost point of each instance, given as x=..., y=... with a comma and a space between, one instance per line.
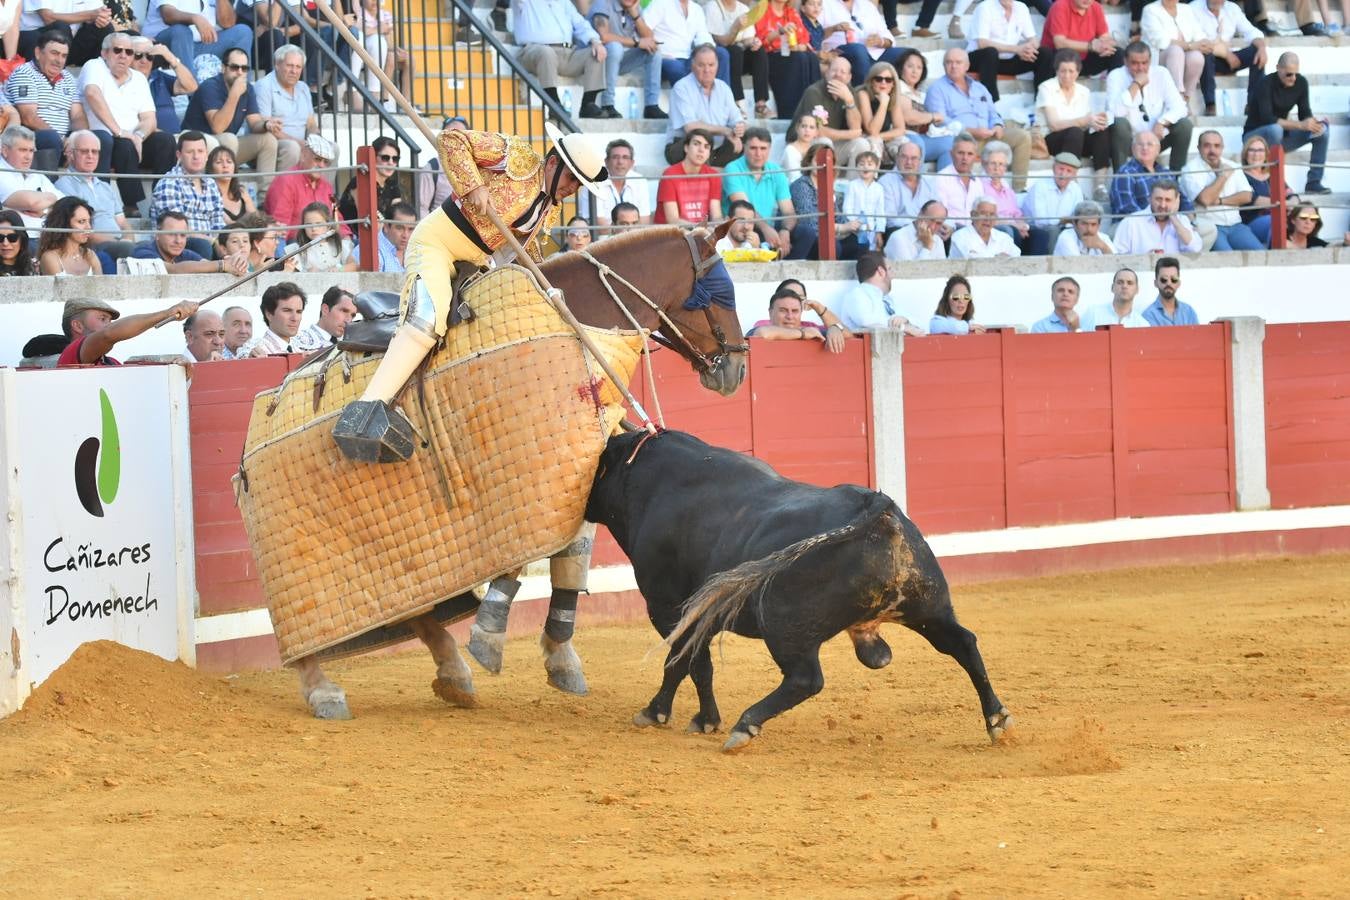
x=98, y=542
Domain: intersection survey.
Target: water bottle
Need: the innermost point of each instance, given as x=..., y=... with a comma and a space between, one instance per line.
x=566, y=97
x=632, y=105
x=783, y=49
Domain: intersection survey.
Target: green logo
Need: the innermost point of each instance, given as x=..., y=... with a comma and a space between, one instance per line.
x=97, y=474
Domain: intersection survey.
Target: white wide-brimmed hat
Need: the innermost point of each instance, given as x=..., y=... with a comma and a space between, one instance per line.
x=582, y=154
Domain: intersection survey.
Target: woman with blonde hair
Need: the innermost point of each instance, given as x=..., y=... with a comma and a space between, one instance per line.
x=1256, y=166
x=883, y=121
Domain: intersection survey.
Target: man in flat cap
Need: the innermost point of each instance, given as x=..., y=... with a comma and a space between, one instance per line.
x=93, y=328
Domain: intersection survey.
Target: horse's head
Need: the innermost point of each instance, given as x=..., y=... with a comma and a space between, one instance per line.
x=671, y=282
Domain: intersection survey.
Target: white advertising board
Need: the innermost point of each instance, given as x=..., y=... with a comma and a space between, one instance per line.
x=99, y=539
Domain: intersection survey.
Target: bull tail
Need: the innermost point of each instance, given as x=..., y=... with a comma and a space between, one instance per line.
x=716, y=605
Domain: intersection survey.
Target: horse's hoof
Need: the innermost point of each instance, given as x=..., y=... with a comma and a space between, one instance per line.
x=329, y=703
x=448, y=691
x=698, y=725
x=644, y=719
x=486, y=648
x=999, y=724
x=738, y=741
x=569, y=682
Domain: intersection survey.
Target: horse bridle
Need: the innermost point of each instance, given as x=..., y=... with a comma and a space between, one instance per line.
x=701, y=268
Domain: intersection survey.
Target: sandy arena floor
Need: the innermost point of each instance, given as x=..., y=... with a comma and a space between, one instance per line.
x=1181, y=732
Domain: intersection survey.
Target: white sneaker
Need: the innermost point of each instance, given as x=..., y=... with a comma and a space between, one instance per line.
x=954, y=29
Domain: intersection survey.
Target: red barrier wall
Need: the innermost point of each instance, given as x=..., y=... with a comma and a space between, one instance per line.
x=1005, y=429
x=1307, y=384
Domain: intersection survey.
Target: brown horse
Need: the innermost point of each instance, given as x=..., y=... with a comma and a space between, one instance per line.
x=661, y=277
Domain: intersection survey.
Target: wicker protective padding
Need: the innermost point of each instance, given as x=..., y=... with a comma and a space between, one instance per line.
x=517, y=414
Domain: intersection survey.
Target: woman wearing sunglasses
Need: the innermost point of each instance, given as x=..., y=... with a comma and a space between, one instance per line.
x=955, y=312
x=883, y=121
x=14, y=256
x=387, y=181
x=1304, y=223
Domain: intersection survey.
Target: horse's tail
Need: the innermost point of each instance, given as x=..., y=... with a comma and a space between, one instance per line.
x=716, y=605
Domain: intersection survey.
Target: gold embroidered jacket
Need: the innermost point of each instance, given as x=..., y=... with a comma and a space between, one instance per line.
x=514, y=176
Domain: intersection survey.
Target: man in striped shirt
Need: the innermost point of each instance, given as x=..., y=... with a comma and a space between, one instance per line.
x=47, y=98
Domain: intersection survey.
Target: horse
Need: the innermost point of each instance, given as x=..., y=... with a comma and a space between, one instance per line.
x=657, y=279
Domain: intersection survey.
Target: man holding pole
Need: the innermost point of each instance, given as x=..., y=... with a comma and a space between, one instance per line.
x=488, y=173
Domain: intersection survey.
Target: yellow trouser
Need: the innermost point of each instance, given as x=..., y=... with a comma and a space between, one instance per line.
x=434, y=248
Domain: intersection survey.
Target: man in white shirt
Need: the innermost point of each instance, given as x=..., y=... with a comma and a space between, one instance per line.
x=1162, y=230
x=624, y=186
x=28, y=193
x=1049, y=203
x=855, y=30
x=1085, y=237
x=1003, y=42
x=957, y=186
x=282, y=306
x=1228, y=30
x=680, y=27
x=867, y=305
x=336, y=311
x=1120, y=311
x=980, y=239
x=190, y=28
x=1143, y=97
x=121, y=113
x=907, y=189
x=922, y=238
x=1217, y=187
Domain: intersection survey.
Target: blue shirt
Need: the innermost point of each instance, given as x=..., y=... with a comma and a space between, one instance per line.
x=161, y=89
x=211, y=95
x=764, y=195
x=973, y=110
x=688, y=103
x=1185, y=315
x=550, y=22
x=99, y=194
x=1130, y=194
x=150, y=250
x=864, y=307
x=1051, y=324
x=388, y=254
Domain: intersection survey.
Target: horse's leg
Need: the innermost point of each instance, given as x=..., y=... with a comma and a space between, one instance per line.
x=487, y=635
x=454, y=681
x=325, y=699
x=567, y=570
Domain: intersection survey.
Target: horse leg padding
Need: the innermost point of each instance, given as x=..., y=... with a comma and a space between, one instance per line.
x=487, y=635
x=562, y=615
x=569, y=567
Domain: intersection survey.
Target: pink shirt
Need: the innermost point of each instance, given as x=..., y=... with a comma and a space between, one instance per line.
x=1007, y=199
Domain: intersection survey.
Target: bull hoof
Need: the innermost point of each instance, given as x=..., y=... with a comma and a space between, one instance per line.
x=563, y=666
x=999, y=724
x=699, y=725
x=739, y=740
x=486, y=648
x=329, y=703
x=875, y=654
x=454, y=694
x=644, y=719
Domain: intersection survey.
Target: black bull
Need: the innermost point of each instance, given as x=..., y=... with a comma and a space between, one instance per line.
x=721, y=542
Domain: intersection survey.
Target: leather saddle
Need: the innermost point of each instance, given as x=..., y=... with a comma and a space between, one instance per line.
x=379, y=315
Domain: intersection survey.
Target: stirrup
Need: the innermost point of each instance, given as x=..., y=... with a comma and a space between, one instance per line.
x=372, y=431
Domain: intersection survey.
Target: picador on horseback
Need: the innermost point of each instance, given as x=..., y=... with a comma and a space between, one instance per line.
x=484, y=169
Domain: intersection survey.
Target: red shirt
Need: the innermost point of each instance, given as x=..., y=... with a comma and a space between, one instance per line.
x=71, y=356
x=1065, y=21
x=770, y=22
x=290, y=193
x=694, y=195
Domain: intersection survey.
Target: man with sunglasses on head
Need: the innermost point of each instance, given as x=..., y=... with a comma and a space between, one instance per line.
x=225, y=106
x=1143, y=97
x=1167, y=309
x=165, y=84
x=121, y=114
